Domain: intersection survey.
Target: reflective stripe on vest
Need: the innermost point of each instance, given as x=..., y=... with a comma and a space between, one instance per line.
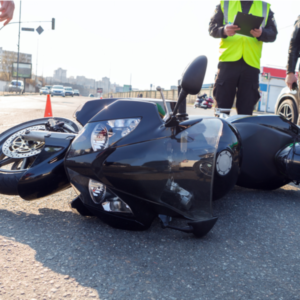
x=235, y=47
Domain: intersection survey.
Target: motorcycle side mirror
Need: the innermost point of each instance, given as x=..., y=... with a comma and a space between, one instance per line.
x=191, y=83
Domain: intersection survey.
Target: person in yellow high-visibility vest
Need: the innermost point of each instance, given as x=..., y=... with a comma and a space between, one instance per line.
x=239, y=61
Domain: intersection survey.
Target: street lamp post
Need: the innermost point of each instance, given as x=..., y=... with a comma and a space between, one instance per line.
x=39, y=31
x=19, y=46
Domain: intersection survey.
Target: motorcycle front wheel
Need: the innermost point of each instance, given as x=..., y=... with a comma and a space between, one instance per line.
x=17, y=155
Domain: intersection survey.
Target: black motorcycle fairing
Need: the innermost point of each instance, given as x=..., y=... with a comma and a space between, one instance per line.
x=143, y=211
x=150, y=127
x=88, y=110
x=288, y=162
x=264, y=135
x=272, y=121
x=231, y=142
x=47, y=176
x=176, y=171
x=173, y=175
x=122, y=109
x=260, y=145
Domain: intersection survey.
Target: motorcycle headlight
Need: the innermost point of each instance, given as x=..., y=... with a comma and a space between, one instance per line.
x=107, y=133
x=99, y=136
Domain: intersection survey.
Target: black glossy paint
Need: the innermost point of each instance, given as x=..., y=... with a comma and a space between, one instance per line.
x=91, y=108
x=141, y=168
x=288, y=161
x=47, y=176
x=262, y=137
x=230, y=141
x=161, y=170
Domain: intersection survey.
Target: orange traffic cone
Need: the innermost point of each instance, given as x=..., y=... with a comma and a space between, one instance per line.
x=101, y=98
x=48, y=110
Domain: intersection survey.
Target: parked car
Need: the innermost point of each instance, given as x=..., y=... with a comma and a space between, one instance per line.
x=76, y=93
x=57, y=90
x=44, y=91
x=287, y=104
x=16, y=86
x=68, y=91
x=91, y=95
x=48, y=87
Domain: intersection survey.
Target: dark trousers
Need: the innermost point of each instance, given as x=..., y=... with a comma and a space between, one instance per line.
x=240, y=80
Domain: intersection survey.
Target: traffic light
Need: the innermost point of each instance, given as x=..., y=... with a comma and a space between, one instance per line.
x=53, y=23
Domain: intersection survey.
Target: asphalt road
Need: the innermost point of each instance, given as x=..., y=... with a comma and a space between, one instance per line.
x=47, y=252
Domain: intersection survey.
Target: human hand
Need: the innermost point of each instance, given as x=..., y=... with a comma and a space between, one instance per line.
x=230, y=30
x=290, y=79
x=256, y=32
x=7, y=11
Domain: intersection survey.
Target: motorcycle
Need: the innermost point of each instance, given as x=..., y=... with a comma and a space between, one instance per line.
x=130, y=164
x=207, y=103
x=199, y=100
x=203, y=101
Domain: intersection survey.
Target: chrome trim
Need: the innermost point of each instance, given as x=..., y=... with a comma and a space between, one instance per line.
x=265, y=10
x=226, y=10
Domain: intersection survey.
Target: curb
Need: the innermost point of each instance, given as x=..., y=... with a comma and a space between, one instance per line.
x=25, y=94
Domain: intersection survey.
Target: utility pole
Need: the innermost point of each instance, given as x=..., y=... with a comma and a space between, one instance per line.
x=109, y=79
x=130, y=87
x=36, y=70
x=19, y=45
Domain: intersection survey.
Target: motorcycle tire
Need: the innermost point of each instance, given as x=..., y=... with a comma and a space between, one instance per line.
x=12, y=169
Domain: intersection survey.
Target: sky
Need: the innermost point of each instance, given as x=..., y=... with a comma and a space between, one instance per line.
x=150, y=42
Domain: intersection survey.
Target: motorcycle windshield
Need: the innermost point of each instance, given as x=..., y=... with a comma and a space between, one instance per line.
x=192, y=156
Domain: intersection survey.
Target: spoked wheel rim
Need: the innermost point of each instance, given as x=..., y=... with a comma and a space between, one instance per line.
x=16, y=154
x=286, y=111
x=15, y=164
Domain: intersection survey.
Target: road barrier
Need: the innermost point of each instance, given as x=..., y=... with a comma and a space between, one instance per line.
x=169, y=94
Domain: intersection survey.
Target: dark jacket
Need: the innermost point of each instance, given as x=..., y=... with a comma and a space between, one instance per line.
x=294, y=49
x=216, y=27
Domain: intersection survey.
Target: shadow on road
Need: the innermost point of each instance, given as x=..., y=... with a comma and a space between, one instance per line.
x=253, y=249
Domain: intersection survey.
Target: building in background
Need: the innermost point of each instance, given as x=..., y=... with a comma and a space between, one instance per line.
x=174, y=87
x=72, y=80
x=119, y=89
x=7, y=58
x=106, y=84
x=60, y=75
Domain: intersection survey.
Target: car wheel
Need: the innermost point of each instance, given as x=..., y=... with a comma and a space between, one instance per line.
x=288, y=110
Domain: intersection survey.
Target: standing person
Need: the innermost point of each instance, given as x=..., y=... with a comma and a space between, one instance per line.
x=293, y=55
x=239, y=62
x=7, y=11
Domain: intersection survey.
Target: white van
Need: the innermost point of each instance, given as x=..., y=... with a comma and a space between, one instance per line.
x=16, y=86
